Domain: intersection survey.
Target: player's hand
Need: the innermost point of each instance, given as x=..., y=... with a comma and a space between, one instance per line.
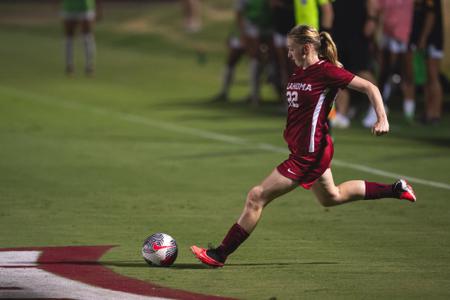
x=380, y=127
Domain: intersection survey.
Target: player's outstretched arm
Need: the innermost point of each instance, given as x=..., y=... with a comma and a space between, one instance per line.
x=373, y=93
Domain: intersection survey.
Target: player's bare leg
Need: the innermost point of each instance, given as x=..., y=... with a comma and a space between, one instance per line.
x=259, y=196
x=274, y=186
x=328, y=194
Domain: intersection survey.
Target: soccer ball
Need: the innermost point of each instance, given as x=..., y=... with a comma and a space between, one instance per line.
x=160, y=249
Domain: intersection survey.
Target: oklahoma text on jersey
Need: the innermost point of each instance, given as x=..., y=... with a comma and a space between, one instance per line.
x=299, y=86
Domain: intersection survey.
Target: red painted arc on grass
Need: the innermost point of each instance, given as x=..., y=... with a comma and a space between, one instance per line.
x=80, y=263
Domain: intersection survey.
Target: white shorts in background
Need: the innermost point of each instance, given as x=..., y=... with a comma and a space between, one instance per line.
x=394, y=45
x=251, y=29
x=434, y=52
x=431, y=51
x=279, y=40
x=234, y=42
x=79, y=16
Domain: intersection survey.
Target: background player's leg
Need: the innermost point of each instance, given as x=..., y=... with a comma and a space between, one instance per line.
x=408, y=86
x=69, y=33
x=433, y=96
x=89, y=45
x=235, y=52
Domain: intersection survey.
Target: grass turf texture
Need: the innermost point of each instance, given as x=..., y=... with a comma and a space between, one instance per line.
x=112, y=159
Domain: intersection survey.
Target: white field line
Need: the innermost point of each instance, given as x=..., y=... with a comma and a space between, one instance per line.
x=207, y=134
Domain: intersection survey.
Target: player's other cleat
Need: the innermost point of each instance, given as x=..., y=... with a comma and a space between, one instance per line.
x=404, y=190
x=205, y=256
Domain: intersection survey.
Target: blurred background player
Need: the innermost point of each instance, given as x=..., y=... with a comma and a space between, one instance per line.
x=254, y=20
x=192, y=15
x=396, y=17
x=235, y=51
x=83, y=14
x=354, y=27
x=427, y=36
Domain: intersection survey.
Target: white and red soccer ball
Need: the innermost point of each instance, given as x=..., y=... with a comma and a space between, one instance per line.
x=160, y=249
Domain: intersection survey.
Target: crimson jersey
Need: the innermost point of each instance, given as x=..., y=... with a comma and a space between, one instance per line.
x=310, y=95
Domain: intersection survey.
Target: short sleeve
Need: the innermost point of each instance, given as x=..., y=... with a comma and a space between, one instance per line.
x=337, y=77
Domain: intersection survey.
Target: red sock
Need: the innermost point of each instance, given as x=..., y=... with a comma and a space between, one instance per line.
x=234, y=238
x=375, y=190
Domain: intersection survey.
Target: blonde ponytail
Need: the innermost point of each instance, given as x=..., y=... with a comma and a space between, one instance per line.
x=328, y=49
x=323, y=43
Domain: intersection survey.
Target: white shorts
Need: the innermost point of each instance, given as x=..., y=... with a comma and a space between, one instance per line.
x=394, y=45
x=234, y=42
x=279, y=40
x=434, y=52
x=79, y=16
x=251, y=29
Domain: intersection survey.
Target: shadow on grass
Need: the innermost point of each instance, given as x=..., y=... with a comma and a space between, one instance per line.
x=182, y=266
x=284, y=264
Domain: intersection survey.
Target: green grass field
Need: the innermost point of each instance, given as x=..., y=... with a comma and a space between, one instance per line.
x=140, y=149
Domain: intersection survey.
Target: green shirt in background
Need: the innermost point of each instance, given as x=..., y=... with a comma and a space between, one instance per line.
x=307, y=12
x=78, y=5
x=258, y=12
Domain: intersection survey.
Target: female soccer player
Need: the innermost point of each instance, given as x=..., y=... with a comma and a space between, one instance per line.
x=310, y=93
x=81, y=13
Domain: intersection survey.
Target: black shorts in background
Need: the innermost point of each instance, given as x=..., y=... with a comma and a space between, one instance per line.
x=355, y=55
x=283, y=17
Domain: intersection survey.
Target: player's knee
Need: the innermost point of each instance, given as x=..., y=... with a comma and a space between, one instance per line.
x=330, y=199
x=255, y=200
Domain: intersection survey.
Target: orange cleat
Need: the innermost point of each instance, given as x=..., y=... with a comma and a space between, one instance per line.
x=202, y=256
x=405, y=190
